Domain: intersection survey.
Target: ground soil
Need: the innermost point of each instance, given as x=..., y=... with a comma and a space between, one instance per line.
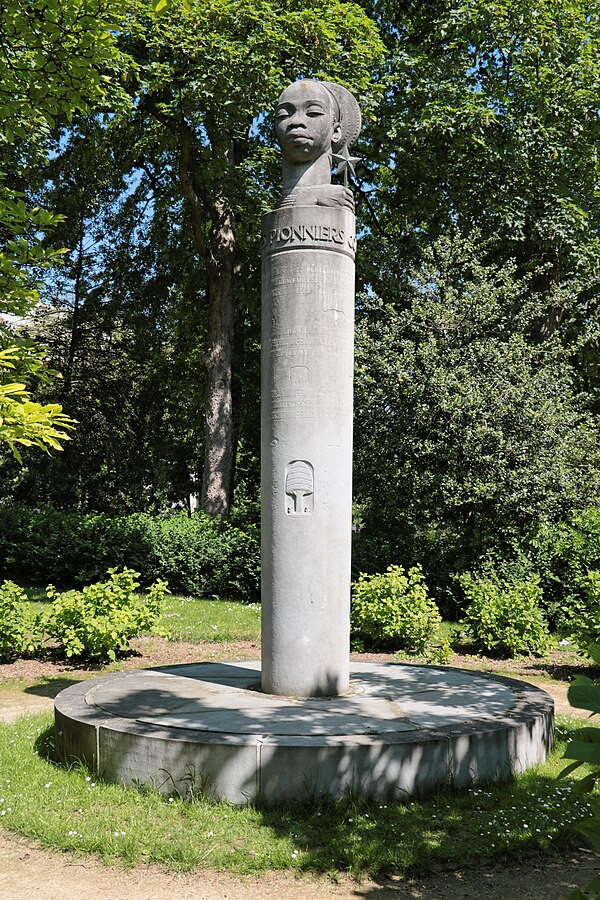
x=28, y=871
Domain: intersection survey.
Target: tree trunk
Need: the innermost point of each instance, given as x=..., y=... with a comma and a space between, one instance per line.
x=219, y=444
x=218, y=253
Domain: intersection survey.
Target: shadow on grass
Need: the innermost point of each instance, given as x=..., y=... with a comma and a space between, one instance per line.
x=45, y=747
x=439, y=833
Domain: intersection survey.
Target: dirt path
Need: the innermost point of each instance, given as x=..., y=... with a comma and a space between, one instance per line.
x=28, y=872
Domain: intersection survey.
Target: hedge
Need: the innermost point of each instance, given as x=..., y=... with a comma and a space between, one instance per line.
x=195, y=555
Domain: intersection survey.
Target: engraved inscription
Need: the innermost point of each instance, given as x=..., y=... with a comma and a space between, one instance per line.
x=294, y=235
x=299, y=488
x=290, y=234
x=321, y=405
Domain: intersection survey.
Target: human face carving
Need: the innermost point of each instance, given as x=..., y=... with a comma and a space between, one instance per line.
x=304, y=122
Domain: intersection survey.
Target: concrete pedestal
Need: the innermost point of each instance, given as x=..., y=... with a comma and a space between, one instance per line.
x=306, y=420
x=400, y=732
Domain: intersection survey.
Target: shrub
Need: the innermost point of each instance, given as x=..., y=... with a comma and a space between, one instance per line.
x=206, y=558
x=584, y=749
x=563, y=553
x=505, y=621
x=103, y=617
x=393, y=611
x=18, y=626
x=196, y=555
x=581, y=618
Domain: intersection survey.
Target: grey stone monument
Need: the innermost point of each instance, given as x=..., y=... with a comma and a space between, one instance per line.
x=308, y=245
x=402, y=730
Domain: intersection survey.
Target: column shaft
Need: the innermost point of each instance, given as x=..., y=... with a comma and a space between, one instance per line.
x=306, y=452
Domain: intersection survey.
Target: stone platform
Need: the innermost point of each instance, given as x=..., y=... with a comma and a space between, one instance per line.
x=401, y=731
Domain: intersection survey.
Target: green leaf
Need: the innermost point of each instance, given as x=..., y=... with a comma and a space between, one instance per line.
x=583, y=751
x=586, y=785
x=570, y=768
x=594, y=884
x=593, y=650
x=584, y=694
x=591, y=830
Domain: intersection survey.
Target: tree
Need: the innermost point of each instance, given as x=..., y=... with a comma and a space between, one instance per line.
x=56, y=58
x=484, y=146
x=490, y=121
x=206, y=78
x=467, y=432
x=111, y=322
x=23, y=421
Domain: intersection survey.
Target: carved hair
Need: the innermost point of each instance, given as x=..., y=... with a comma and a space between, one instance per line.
x=347, y=114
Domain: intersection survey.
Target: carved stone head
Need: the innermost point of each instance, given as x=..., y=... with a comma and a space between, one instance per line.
x=307, y=121
x=314, y=121
x=315, y=117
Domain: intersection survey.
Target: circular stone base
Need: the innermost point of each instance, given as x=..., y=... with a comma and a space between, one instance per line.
x=401, y=730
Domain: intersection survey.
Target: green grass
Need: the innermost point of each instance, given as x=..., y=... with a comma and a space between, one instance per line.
x=189, y=619
x=68, y=809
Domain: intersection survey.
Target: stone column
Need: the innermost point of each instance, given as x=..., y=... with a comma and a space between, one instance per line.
x=307, y=368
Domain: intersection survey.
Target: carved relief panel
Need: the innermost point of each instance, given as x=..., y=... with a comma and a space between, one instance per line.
x=299, y=488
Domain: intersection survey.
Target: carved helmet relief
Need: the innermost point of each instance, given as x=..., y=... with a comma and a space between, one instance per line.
x=299, y=488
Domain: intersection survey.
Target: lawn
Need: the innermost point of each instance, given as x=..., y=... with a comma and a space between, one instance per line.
x=188, y=619
x=70, y=810
x=192, y=619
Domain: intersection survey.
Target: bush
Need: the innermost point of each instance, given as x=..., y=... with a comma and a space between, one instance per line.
x=67, y=548
x=196, y=555
x=101, y=619
x=204, y=557
x=581, y=617
x=566, y=555
x=505, y=621
x=584, y=749
x=18, y=626
x=393, y=611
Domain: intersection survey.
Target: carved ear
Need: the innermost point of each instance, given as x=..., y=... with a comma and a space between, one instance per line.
x=336, y=134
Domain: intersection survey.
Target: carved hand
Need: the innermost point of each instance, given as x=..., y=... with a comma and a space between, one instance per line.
x=325, y=195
